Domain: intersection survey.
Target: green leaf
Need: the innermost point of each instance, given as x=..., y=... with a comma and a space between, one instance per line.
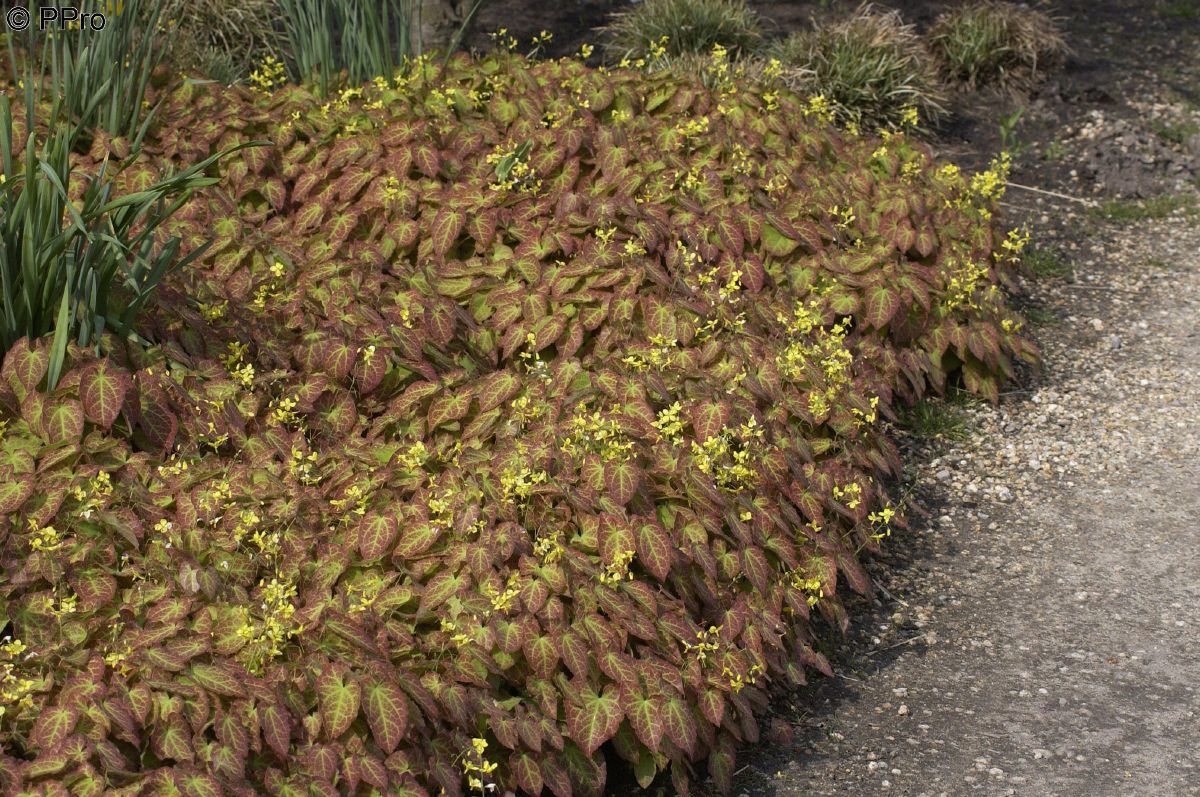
x=376, y=533
x=102, y=390
x=386, y=709
x=338, y=698
x=595, y=719
x=776, y=243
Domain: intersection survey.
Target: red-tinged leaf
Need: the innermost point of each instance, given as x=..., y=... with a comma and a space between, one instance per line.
x=156, y=420
x=276, y=728
x=547, y=330
x=94, y=587
x=495, y=389
x=575, y=652
x=386, y=709
x=621, y=479
x=14, y=490
x=732, y=238
x=528, y=774
x=428, y=162
x=660, y=320
x=757, y=569
x=926, y=239
x=415, y=539
x=542, y=655
x=614, y=537
x=680, y=725
x=173, y=742
x=308, y=219
x=53, y=726
x=645, y=717
x=720, y=767
x=222, y=680
x=450, y=407
x=595, y=719
x=199, y=784
x=709, y=418
x=882, y=302
x=376, y=533
x=102, y=389
x=654, y=550
x=338, y=698
x=339, y=227
x=24, y=367
x=63, y=420
x=440, y=589
x=712, y=706
x=352, y=181
x=554, y=775
x=47, y=764
x=447, y=226
x=753, y=273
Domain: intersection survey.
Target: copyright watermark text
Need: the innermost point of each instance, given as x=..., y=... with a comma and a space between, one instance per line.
x=43, y=18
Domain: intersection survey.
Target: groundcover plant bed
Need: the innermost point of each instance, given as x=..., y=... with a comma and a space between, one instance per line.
x=520, y=416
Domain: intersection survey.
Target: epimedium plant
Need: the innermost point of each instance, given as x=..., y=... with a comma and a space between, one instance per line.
x=523, y=415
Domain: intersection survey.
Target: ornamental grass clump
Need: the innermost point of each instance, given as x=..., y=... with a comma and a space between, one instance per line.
x=522, y=418
x=103, y=77
x=871, y=66
x=985, y=42
x=224, y=39
x=683, y=27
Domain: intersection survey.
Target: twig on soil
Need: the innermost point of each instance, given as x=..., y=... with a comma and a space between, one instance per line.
x=889, y=595
x=1083, y=287
x=1091, y=203
x=898, y=644
x=740, y=771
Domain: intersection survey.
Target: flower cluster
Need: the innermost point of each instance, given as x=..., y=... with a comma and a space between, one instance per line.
x=266, y=637
x=728, y=457
x=269, y=75
x=597, y=433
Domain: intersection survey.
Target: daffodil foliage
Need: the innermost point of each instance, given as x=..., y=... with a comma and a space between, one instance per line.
x=521, y=418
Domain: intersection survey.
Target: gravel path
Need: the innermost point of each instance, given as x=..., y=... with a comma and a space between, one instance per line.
x=1038, y=634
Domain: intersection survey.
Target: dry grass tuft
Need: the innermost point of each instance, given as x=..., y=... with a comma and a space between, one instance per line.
x=995, y=42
